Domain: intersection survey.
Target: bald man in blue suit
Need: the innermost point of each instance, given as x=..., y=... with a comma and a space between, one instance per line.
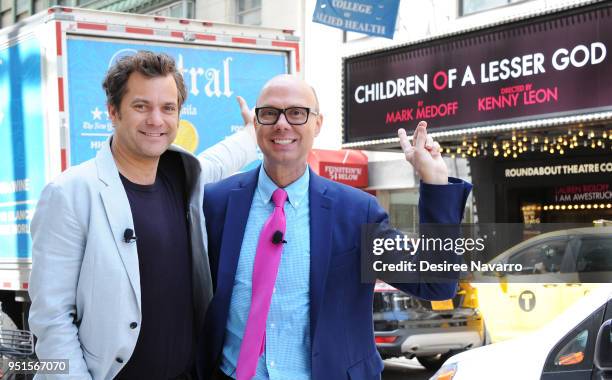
x=319, y=325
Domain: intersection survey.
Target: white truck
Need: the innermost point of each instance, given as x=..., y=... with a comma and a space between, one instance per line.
x=53, y=109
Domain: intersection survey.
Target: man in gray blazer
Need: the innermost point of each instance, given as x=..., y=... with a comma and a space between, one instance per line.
x=120, y=279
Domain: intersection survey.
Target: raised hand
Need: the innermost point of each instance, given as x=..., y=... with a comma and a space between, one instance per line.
x=424, y=155
x=248, y=115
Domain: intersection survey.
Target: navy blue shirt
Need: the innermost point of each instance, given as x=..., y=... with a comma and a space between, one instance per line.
x=165, y=345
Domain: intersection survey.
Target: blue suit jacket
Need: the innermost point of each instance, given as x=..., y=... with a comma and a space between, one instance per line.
x=341, y=327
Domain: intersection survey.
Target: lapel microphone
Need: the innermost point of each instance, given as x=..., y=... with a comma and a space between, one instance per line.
x=128, y=236
x=277, y=238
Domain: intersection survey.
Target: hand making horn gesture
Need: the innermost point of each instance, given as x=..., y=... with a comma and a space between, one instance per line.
x=424, y=155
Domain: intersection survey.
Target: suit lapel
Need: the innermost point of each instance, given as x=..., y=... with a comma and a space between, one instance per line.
x=236, y=216
x=119, y=214
x=321, y=215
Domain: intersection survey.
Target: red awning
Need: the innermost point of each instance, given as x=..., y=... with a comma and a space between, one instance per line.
x=345, y=166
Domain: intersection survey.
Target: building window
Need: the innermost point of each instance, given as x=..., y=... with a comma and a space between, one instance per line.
x=180, y=9
x=248, y=12
x=6, y=18
x=23, y=6
x=39, y=5
x=467, y=7
x=67, y=3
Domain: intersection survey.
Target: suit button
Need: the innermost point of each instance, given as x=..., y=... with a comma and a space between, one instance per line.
x=119, y=360
x=133, y=325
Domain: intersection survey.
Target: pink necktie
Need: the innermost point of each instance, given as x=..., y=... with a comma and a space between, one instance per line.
x=265, y=269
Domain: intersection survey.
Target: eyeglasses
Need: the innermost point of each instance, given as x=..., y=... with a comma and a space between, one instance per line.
x=294, y=115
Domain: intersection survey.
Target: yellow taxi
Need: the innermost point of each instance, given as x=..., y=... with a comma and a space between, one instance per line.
x=558, y=268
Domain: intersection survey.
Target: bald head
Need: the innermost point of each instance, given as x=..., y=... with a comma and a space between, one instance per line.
x=285, y=146
x=284, y=81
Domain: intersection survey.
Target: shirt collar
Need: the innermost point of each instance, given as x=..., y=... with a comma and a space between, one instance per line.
x=295, y=191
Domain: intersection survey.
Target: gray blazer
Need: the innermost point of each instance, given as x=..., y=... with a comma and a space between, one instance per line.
x=85, y=281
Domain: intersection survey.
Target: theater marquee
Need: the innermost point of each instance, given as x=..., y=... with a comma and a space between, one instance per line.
x=553, y=65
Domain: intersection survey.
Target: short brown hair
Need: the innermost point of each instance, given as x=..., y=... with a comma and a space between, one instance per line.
x=147, y=63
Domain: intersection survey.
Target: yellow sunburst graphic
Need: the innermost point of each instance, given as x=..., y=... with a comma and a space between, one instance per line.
x=187, y=136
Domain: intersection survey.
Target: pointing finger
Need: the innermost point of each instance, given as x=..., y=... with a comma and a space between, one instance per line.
x=429, y=142
x=247, y=116
x=420, y=135
x=404, y=141
x=436, y=150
